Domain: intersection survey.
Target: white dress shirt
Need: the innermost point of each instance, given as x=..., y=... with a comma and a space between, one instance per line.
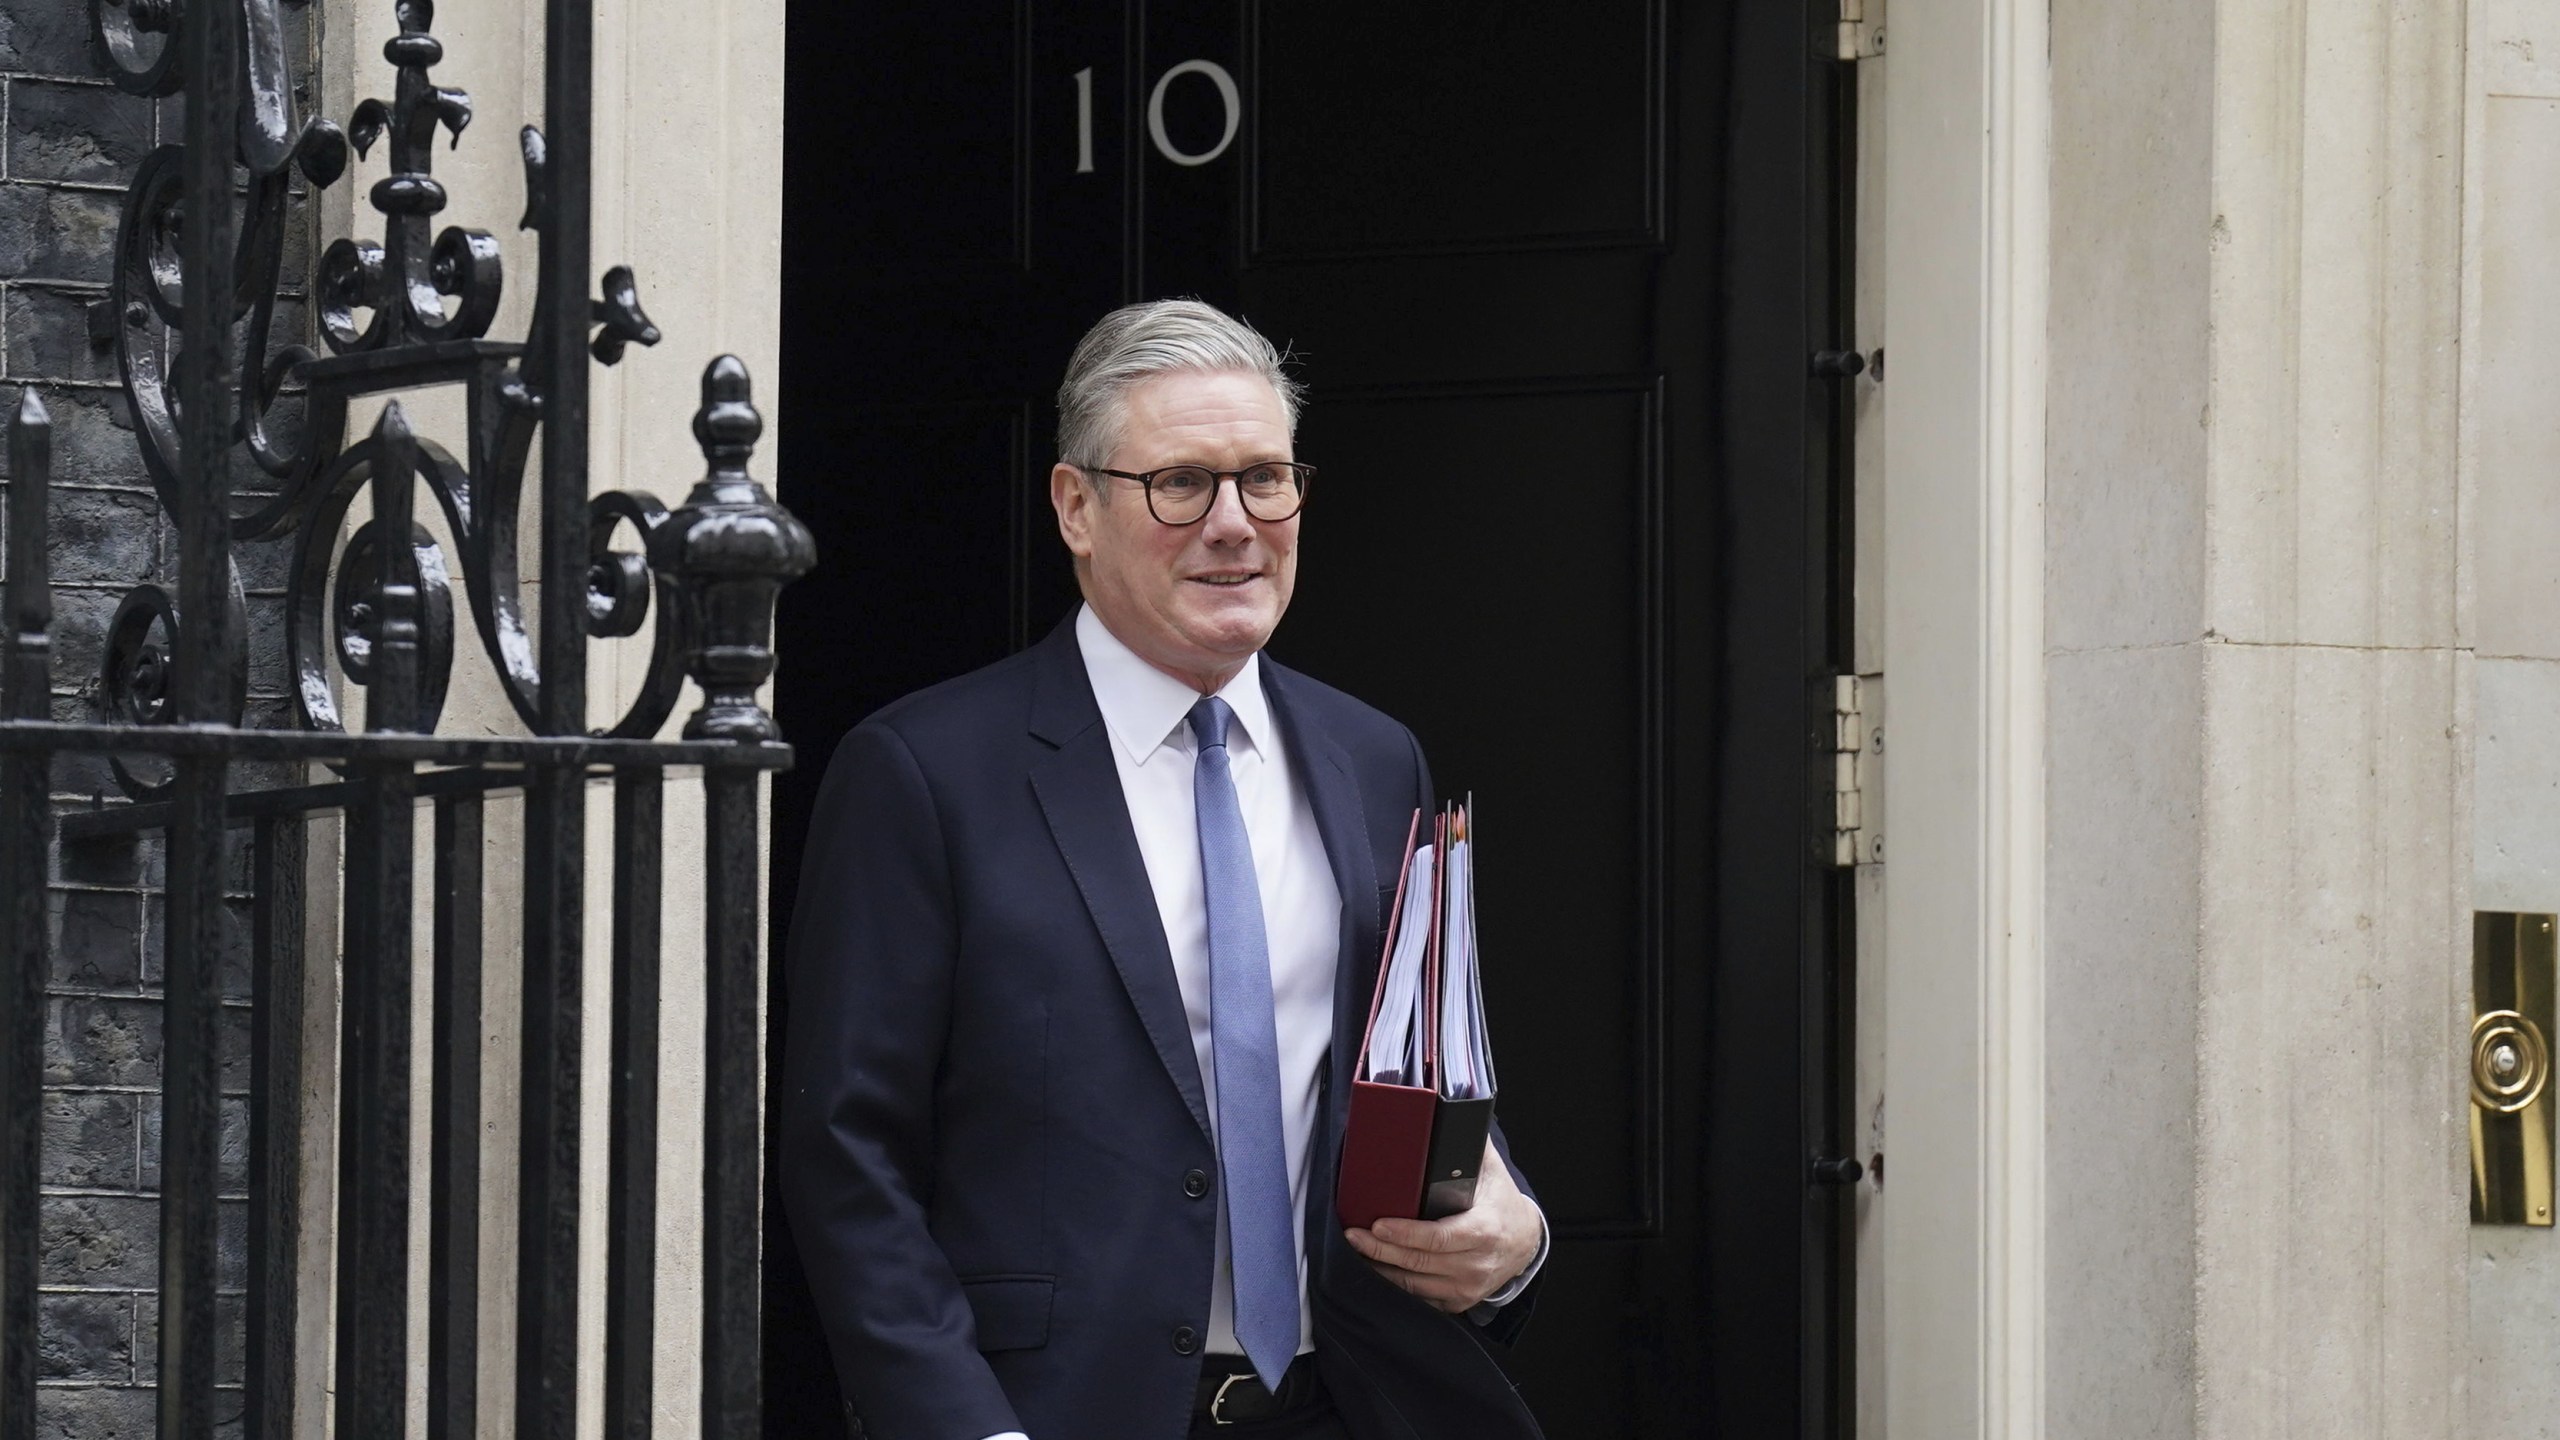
x=1147, y=713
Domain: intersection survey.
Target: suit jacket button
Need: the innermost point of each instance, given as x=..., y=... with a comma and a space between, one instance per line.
x=1185, y=1339
x=1195, y=1183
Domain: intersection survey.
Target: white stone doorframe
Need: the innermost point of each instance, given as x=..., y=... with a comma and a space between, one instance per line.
x=1951, y=537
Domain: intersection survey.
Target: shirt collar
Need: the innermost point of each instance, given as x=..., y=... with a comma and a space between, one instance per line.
x=1143, y=707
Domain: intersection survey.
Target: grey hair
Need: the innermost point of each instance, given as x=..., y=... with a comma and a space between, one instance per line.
x=1138, y=342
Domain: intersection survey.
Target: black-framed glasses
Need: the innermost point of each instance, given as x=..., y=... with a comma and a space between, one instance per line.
x=1182, y=494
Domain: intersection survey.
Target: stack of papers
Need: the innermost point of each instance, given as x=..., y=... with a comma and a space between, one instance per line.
x=1466, y=1055
x=1428, y=1029
x=1422, y=1092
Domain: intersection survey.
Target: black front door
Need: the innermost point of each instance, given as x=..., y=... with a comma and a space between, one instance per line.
x=1552, y=270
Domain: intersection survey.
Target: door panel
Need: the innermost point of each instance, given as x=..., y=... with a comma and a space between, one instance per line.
x=1553, y=108
x=1412, y=592
x=1551, y=269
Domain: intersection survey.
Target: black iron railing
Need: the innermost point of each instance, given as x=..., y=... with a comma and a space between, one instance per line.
x=193, y=313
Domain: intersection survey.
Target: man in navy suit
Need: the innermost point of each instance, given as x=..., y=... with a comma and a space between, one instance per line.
x=1084, y=946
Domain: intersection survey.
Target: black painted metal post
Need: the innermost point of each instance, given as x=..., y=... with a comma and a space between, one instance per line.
x=547, y=1229
x=204, y=693
x=731, y=550
x=733, y=1177
x=26, y=683
x=373, y=1311
x=453, y=1228
x=631, y=1226
x=275, y=1124
x=359, y=1047
x=555, y=797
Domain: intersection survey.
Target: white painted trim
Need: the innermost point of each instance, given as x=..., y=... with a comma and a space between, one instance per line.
x=1967, y=242
x=2014, y=284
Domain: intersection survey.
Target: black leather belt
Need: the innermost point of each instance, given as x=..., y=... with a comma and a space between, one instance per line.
x=1231, y=1394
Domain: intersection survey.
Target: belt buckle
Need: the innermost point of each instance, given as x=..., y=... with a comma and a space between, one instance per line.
x=1217, y=1402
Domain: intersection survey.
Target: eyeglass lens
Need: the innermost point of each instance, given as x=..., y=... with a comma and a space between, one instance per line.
x=1184, y=493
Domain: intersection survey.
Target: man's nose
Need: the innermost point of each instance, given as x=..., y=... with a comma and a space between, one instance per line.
x=1227, y=523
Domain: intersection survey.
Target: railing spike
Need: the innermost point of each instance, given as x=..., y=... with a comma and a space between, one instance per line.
x=26, y=683
x=392, y=701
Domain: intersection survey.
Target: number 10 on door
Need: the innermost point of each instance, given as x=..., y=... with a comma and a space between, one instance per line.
x=1231, y=102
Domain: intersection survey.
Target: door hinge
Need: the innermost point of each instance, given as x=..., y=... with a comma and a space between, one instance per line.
x=1859, y=35
x=1857, y=770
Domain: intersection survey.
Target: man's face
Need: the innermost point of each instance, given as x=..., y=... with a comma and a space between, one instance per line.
x=1193, y=600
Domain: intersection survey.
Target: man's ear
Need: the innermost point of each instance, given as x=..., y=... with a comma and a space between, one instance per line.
x=1074, y=501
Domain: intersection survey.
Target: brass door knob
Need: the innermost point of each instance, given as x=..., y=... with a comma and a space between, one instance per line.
x=2510, y=1062
x=2509, y=1119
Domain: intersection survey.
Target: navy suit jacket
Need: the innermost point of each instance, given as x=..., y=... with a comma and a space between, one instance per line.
x=991, y=1111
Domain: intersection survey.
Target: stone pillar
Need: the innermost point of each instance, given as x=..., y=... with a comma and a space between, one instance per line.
x=2511, y=523
x=2256, y=921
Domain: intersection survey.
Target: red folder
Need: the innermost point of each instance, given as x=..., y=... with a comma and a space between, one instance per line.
x=1384, y=1152
x=1408, y=1151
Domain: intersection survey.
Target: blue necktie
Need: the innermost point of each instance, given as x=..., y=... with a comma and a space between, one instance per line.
x=1244, y=1037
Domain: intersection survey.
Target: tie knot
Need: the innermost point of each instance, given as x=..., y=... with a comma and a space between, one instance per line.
x=1209, y=721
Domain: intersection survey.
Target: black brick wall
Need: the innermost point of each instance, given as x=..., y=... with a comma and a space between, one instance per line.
x=72, y=142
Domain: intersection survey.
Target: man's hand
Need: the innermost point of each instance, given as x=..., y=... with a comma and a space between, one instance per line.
x=1454, y=1264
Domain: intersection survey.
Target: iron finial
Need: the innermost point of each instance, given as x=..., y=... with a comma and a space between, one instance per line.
x=731, y=549
x=727, y=426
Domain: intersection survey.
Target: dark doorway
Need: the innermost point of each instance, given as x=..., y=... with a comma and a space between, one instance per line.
x=1553, y=270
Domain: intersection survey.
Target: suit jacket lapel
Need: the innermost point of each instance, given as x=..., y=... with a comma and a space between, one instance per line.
x=1079, y=791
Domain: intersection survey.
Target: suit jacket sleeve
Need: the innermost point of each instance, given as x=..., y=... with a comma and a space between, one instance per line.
x=873, y=946
x=1512, y=1316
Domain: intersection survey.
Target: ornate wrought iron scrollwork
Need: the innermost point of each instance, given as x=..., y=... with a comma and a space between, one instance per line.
x=138, y=664
x=405, y=281
x=370, y=603
x=356, y=618
x=404, y=311
x=149, y=300
x=620, y=585
x=136, y=38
